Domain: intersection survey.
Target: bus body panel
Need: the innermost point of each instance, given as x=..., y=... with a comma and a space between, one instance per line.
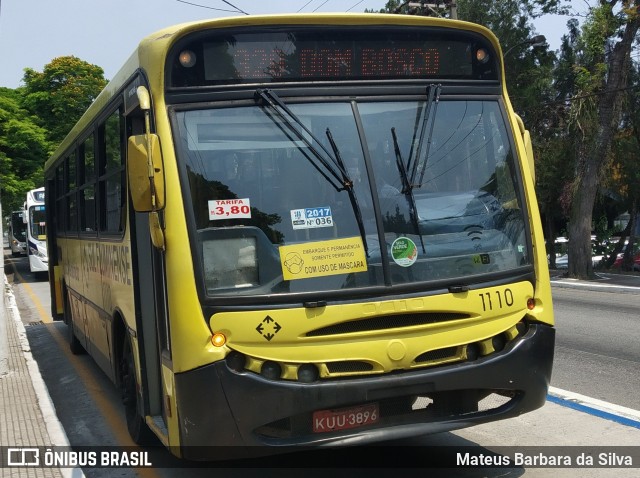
x=98, y=285
x=298, y=335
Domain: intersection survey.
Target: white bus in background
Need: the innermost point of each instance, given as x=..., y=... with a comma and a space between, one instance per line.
x=35, y=218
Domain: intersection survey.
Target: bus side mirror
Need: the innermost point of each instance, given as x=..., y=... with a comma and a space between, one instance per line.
x=141, y=185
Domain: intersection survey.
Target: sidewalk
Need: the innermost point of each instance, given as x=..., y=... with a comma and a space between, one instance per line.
x=27, y=416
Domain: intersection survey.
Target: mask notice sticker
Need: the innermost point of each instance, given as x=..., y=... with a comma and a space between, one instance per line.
x=229, y=209
x=323, y=258
x=404, y=252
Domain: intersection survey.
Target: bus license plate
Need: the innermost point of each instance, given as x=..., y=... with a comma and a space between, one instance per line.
x=345, y=418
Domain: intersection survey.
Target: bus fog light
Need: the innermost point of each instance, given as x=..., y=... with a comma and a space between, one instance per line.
x=473, y=351
x=236, y=361
x=498, y=343
x=308, y=373
x=271, y=370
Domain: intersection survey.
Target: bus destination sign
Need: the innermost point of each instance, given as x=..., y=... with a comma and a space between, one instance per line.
x=336, y=54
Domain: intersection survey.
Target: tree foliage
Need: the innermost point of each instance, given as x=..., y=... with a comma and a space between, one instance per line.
x=36, y=117
x=23, y=149
x=61, y=93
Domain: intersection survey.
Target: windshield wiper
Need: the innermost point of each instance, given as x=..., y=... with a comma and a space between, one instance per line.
x=334, y=165
x=269, y=98
x=352, y=195
x=433, y=99
x=407, y=188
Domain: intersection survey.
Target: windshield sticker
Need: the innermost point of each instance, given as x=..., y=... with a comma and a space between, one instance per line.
x=323, y=258
x=482, y=259
x=311, y=218
x=229, y=209
x=404, y=252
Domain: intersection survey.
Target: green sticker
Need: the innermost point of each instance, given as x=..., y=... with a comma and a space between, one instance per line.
x=404, y=252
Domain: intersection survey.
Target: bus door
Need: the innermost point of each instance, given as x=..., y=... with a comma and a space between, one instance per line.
x=150, y=298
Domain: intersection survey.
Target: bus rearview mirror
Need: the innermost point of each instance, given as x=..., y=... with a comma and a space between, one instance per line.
x=140, y=185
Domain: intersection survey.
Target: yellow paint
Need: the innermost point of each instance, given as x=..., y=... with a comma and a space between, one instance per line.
x=283, y=335
x=44, y=316
x=57, y=284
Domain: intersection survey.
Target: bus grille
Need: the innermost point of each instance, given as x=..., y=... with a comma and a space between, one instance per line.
x=386, y=322
x=439, y=355
x=349, y=366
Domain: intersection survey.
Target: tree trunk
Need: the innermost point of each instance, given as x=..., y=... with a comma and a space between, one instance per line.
x=580, y=264
x=629, y=251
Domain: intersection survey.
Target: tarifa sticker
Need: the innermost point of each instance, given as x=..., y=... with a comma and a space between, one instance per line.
x=229, y=209
x=404, y=252
x=323, y=258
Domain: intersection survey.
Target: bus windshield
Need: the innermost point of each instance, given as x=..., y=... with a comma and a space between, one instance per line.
x=271, y=218
x=18, y=227
x=37, y=222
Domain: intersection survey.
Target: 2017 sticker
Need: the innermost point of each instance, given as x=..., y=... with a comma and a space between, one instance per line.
x=229, y=209
x=311, y=218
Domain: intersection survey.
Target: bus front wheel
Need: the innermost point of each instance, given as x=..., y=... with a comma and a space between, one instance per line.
x=138, y=429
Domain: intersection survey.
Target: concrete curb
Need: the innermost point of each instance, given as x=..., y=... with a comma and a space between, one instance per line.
x=593, y=406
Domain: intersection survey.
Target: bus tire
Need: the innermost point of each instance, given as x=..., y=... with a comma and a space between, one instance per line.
x=140, y=432
x=75, y=346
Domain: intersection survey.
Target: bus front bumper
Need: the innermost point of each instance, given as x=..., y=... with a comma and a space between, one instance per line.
x=222, y=412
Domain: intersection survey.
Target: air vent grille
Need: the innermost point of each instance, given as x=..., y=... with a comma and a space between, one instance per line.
x=385, y=322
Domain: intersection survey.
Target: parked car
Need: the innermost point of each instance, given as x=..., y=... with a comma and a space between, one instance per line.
x=562, y=258
x=636, y=262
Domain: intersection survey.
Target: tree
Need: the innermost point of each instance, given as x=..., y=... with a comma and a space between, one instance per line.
x=61, y=93
x=624, y=177
x=602, y=77
x=23, y=150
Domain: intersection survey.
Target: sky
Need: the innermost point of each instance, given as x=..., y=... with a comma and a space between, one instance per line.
x=106, y=32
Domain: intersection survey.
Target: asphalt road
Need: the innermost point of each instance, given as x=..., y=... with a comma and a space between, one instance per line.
x=597, y=344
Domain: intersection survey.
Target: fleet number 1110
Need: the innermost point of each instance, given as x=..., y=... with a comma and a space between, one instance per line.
x=496, y=299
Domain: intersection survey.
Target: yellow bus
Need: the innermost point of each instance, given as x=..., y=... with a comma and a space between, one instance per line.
x=304, y=230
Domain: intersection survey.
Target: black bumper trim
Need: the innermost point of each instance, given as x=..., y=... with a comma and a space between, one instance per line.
x=218, y=407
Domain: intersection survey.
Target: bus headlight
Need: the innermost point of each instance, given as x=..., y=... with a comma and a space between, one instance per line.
x=187, y=58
